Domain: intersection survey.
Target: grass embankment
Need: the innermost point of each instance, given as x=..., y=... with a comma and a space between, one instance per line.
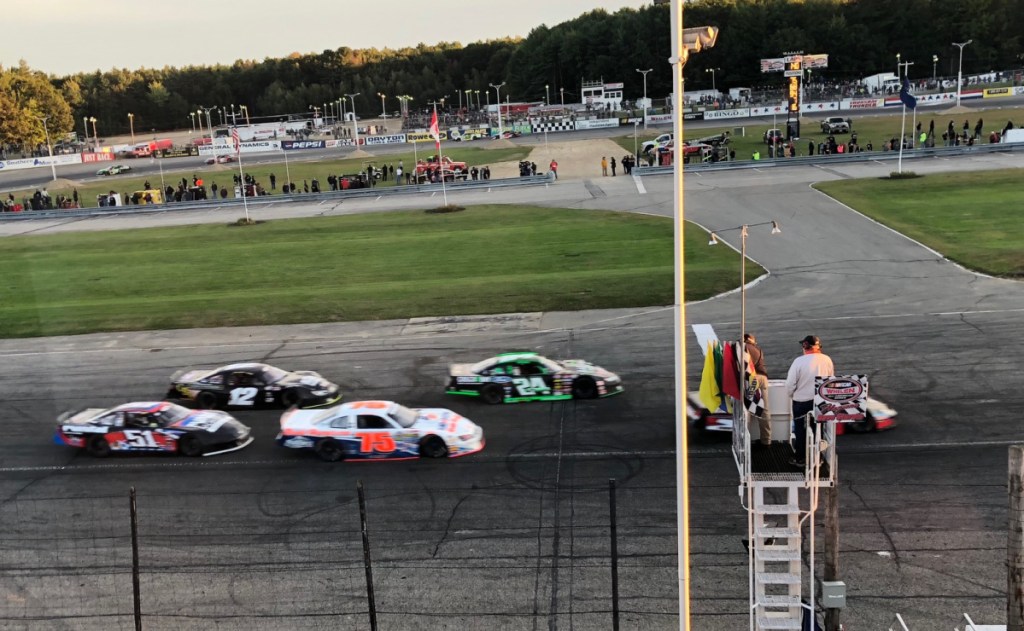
x=973, y=218
x=875, y=129
x=486, y=259
x=301, y=169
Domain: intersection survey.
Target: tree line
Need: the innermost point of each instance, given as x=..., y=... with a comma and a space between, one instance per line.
x=861, y=38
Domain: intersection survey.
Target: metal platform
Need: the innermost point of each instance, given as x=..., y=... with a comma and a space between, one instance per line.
x=770, y=463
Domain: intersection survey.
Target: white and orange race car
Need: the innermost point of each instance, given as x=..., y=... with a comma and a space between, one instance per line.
x=379, y=430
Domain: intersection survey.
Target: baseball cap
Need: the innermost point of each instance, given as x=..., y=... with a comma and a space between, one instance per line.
x=811, y=340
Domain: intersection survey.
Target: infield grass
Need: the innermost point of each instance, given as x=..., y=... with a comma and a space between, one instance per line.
x=975, y=219
x=485, y=259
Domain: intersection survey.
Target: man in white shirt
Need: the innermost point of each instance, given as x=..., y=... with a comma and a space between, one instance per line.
x=800, y=387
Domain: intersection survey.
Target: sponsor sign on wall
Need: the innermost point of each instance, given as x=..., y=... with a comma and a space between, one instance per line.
x=1018, y=90
x=711, y=115
x=385, y=140
x=859, y=104
x=693, y=116
x=29, y=163
x=178, y=153
x=252, y=146
x=600, y=123
x=97, y=157
x=424, y=137
x=768, y=110
x=292, y=145
x=997, y=92
x=658, y=119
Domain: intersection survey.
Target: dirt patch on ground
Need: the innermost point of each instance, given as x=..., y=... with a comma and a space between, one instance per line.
x=578, y=158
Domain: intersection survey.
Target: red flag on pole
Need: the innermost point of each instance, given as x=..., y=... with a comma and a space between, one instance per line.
x=235, y=139
x=435, y=133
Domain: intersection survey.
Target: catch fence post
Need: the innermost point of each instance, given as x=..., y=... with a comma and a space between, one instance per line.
x=136, y=591
x=366, y=556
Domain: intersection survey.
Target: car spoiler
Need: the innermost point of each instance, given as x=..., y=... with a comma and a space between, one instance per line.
x=70, y=413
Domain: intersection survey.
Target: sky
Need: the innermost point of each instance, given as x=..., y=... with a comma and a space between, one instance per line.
x=66, y=36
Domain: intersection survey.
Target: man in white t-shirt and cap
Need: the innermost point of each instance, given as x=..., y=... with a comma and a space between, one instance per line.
x=800, y=387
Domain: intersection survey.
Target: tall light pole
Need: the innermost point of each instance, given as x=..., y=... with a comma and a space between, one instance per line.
x=897, y=65
x=562, y=92
x=497, y=89
x=477, y=93
x=547, y=95
x=644, y=73
x=743, y=266
x=131, y=125
x=245, y=109
x=383, y=108
x=49, y=147
x=95, y=135
x=960, y=69
x=209, y=126
x=355, y=127
x=469, y=100
x=404, y=100
x=712, y=71
x=935, y=63
x=85, y=125
x=192, y=115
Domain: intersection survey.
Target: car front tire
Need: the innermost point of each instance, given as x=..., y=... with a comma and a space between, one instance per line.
x=584, y=388
x=493, y=394
x=433, y=447
x=190, y=446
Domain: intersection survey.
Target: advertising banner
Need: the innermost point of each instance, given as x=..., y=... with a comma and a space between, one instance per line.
x=1019, y=90
x=997, y=92
x=424, y=137
x=29, y=163
x=842, y=399
x=600, y=123
x=711, y=115
x=179, y=153
x=293, y=145
x=693, y=116
x=659, y=119
x=253, y=146
x=859, y=104
x=385, y=140
x=97, y=157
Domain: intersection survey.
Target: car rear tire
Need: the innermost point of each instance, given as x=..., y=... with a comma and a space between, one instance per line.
x=206, y=401
x=433, y=447
x=190, y=446
x=290, y=398
x=98, y=447
x=584, y=388
x=329, y=450
x=493, y=394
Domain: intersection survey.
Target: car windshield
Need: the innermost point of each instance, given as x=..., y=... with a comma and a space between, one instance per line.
x=273, y=375
x=403, y=415
x=173, y=414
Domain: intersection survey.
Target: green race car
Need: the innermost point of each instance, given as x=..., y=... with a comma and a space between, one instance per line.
x=525, y=376
x=114, y=169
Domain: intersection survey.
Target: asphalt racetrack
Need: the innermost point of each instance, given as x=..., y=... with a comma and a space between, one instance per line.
x=517, y=536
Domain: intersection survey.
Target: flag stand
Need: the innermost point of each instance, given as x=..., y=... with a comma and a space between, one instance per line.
x=436, y=133
x=903, y=128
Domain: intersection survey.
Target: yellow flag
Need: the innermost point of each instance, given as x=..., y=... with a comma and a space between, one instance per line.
x=709, y=394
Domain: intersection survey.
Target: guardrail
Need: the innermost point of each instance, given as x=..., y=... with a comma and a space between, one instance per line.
x=267, y=200
x=836, y=158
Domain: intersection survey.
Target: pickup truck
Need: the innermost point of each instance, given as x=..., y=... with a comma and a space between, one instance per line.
x=660, y=141
x=835, y=125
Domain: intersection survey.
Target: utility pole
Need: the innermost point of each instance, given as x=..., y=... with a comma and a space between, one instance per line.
x=497, y=89
x=832, y=547
x=1014, y=544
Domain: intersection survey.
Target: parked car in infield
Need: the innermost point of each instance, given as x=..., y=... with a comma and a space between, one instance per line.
x=114, y=169
x=252, y=385
x=525, y=376
x=379, y=430
x=147, y=426
x=880, y=417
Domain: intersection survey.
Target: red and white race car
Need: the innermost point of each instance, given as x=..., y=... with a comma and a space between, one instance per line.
x=880, y=417
x=221, y=159
x=378, y=430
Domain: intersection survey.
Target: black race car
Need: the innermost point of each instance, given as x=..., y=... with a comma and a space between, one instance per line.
x=524, y=376
x=151, y=426
x=252, y=386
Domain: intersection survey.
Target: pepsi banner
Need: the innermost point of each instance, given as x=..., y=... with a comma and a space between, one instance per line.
x=292, y=145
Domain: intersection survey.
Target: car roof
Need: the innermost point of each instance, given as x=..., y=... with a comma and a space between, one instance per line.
x=242, y=366
x=515, y=356
x=147, y=407
x=356, y=406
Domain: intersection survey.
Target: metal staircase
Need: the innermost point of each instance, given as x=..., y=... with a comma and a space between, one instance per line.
x=776, y=555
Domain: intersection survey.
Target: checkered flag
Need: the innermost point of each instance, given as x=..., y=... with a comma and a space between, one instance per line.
x=752, y=398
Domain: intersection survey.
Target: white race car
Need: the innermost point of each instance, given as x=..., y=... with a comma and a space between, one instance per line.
x=377, y=430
